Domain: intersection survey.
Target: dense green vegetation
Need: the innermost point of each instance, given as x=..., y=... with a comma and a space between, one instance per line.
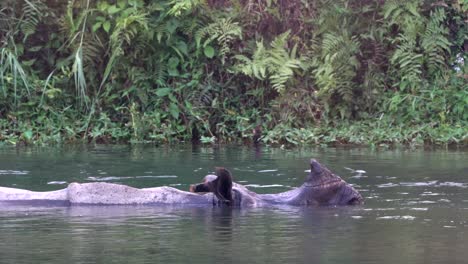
x=306, y=72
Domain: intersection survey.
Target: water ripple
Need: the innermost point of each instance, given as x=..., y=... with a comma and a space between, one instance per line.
x=417, y=184
x=115, y=178
x=387, y=185
x=454, y=184
x=430, y=194
x=156, y=176
x=419, y=209
x=268, y=170
x=110, y=178
x=424, y=184
x=57, y=182
x=398, y=217
x=13, y=172
x=265, y=186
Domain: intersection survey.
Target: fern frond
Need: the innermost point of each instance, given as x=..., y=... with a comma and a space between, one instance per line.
x=339, y=61
x=32, y=14
x=404, y=14
x=408, y=63
x=435, y=42
x=276, y=63
x=160, y=74
x=281, y=63
x=223, y=31
x=183, y=6
x=160, y=31
x=126, y=29
x=71, y=24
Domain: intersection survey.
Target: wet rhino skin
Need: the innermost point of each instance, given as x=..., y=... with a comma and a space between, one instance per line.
x=321, y=188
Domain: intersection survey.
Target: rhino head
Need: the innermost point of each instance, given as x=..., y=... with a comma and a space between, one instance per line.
x=322, y=187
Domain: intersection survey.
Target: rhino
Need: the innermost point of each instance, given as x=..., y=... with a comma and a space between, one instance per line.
x=320, y=188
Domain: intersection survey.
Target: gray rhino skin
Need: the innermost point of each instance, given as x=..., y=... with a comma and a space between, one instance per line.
x=321, y=187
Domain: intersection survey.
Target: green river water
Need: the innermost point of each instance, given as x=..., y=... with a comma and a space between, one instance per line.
x=415, y=211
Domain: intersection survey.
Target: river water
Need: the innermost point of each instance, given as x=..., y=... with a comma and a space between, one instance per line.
x=415, y=211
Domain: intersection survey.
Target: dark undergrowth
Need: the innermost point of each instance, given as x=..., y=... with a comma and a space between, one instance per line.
x=374, y=73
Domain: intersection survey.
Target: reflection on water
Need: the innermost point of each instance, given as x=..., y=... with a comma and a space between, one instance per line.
x=416, y=208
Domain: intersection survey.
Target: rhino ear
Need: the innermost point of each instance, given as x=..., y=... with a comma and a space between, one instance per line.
x=219, y=171
x=223, y=185
x=315, y=167
x=223, y=173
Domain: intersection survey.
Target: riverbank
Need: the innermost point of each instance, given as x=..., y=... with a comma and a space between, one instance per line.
x=372, y=133
x=366, y=73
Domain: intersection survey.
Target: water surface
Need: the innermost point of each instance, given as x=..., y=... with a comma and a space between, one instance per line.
x=416, y=208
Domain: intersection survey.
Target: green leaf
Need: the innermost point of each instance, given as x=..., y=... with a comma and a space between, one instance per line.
x=29, y=62
x=182, y=47
x=97, y=26
x=172, y=25
x=28, y=134
x=106, y=26
x=173, y=72
x=163, y=92
x=121, y=3
x=174, y=110
x=113, y=9
x=36, y=48
x=173, y=98
x=206, y=140
x=103, y=5
x=209, y=52
x=173, y=62
x=188, y=105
